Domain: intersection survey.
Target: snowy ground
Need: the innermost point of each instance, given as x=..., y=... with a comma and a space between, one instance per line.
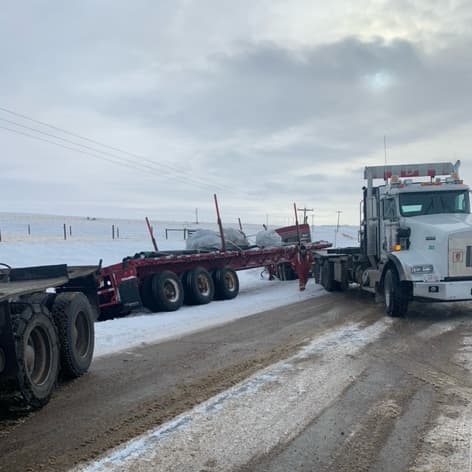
x=91, y=241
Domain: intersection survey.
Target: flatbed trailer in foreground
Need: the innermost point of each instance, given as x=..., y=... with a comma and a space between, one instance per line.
x=47, y=316
x=164, y=280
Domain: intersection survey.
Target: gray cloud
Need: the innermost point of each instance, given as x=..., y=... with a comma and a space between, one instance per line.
x=221, y=96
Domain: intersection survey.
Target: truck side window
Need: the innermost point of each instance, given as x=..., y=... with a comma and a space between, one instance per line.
x=389, y=210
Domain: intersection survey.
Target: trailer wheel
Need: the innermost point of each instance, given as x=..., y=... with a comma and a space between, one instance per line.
x=199, y=286
x=74, y=317
x=226, y=283
x=285, y=271
x=37, y=352
x=396, y=299
x=167, y=293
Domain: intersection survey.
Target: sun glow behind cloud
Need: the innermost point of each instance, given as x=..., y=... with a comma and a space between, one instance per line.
x=379, y=81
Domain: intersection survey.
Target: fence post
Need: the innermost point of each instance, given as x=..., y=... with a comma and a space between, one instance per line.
x=65, y=232
x=70, y=230
x=117, y=232
x=112, y=231
x=29, y=230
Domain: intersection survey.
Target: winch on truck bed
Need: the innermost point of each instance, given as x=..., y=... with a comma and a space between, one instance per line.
x=47, y=316
x=415, y=238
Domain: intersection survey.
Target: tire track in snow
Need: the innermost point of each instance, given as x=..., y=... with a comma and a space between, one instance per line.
x=252, y=417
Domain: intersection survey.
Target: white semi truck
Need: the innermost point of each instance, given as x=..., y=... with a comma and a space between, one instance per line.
x=415, y=238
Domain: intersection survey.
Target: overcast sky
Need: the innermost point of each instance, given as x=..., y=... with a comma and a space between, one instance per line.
x=264, y=102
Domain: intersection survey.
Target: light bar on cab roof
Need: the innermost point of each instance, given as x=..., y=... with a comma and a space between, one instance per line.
x=411, y=170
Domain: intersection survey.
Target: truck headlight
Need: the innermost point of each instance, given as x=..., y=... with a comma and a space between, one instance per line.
x=422, y=269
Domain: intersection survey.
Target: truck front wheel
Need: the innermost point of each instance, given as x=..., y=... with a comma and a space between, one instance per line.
x=396, y=299
x=38, y=355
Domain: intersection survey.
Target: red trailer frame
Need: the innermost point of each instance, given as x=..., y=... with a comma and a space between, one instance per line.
x=121, y=285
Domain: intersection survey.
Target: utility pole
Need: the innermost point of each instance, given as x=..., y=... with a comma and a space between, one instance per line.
x=337, y=228
x=305, y=210
x=385, y=148
x=196, y=216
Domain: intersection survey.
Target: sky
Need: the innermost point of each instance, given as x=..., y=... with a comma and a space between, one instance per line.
x=116, y=108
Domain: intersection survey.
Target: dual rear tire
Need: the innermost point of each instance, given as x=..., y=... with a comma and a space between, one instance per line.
x=201, y=286
x=165, y=291
x=162, y=292
x=51, y=341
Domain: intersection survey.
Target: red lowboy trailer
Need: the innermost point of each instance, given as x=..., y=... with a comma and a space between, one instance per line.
x=164, y=280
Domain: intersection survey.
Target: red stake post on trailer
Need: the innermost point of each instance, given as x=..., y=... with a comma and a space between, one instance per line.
x=296, y=222
x=151, y=233
x=223, y=242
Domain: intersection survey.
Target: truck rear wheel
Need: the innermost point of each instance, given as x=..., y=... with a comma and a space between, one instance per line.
x=74, y=317
x=199, y=286
x=226, y=283
x=396, y=299
x=163, y=292
x=37, y=353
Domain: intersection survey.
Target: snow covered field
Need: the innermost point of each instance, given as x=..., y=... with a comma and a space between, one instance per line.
x=91, y=241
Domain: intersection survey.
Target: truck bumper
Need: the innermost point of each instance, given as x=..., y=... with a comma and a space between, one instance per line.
x=443, y=291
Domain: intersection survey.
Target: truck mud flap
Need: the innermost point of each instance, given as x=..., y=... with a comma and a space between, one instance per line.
x=129, y=294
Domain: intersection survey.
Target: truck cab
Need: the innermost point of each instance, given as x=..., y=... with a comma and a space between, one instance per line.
x=418, y=227
x=415, y=238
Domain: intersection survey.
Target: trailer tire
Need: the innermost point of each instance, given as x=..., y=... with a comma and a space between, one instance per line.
x=37, y=351
x=199, y=287
x=286, y=272
x=167, y=293
x=396, y=299
x=74, y=318
x=146, y=293
x=226, y=283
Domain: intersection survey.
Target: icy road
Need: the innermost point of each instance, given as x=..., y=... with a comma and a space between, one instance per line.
x=317, y=383
x=326, y=384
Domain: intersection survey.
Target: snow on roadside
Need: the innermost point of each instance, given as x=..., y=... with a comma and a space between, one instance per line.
x=255, y=415
x=256, y=295
x=88, y=246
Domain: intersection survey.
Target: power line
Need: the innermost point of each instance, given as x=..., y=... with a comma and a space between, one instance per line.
x=178, y=173
x=116, y=159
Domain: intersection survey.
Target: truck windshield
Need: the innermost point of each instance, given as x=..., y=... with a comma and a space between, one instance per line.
x=430, y=203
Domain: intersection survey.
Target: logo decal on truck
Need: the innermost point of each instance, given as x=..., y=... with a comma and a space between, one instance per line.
x=458, y=255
